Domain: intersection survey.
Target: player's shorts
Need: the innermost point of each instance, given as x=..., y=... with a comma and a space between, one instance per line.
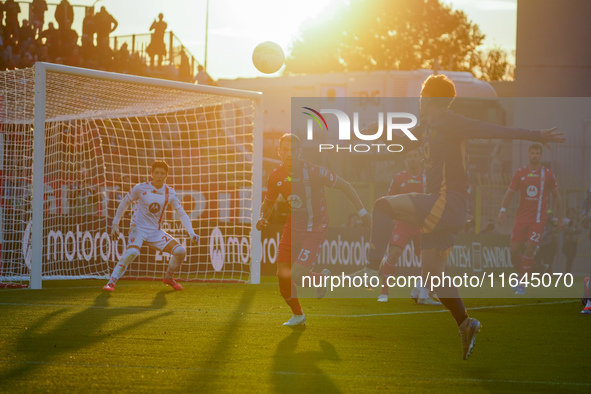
x=527, y=231
x=404, y=233
x=300, y=246
x=442, y=217
x=155, y=239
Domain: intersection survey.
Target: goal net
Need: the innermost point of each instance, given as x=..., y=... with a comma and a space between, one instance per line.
x=73, y=142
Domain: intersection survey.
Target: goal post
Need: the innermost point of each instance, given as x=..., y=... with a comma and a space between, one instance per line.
x=79, y=139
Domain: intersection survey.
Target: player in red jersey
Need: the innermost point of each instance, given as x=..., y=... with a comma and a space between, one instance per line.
x=302, y=185
x=534, y=183
x=411, y=180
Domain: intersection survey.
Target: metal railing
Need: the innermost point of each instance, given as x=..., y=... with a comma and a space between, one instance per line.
x=138, y=44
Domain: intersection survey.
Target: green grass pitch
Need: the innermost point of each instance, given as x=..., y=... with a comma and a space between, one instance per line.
x=144, y=337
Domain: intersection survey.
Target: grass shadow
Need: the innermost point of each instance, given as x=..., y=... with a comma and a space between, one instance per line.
x=50, y=337
x=295, y=371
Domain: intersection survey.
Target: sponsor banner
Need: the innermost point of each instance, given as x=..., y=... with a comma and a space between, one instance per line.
x=344, y=250
x=86, y=248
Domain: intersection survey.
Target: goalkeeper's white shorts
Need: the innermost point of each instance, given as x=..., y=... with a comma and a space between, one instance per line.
x=158, y=239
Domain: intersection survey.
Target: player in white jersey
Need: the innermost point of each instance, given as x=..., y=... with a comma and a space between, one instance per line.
x=151, y=200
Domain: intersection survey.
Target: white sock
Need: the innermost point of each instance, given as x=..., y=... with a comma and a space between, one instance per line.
x=424, y=293
x=122, y=265
x=588, y=303
x=178, y=256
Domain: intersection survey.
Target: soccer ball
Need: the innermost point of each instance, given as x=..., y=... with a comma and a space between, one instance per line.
x=268, y=57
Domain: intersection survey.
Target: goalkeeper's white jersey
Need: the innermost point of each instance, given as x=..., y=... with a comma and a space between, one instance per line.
x=151, y=205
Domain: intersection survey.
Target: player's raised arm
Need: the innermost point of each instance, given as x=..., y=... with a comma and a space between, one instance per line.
x=352, y=195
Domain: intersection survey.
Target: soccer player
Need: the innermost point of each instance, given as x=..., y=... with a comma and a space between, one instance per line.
x=443, y=210
x=585, y=219
x=586, y=300
x=534, y=183
x=411, y=180
x=151, y=200
x=302, y=185
x=585, y=222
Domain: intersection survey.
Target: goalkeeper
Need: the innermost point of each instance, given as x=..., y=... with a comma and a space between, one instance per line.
x=151, y=199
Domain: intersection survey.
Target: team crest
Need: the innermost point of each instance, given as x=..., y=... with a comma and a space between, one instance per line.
x=294, y=201
x=131, y=239
x=154, y=207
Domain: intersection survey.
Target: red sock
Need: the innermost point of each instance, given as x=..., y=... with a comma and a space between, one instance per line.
x=290, y=294
x=387, y=270
x=527, y=266
x=517, y=260
x=385, y=289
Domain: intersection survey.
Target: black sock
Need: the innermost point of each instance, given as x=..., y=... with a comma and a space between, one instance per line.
x=381, y=232
x=450, y=298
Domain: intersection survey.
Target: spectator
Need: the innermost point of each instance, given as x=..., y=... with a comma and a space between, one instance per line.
x=122, y=58
x=52, y=40
x=157, y=46
x=88, y=32
x=12, y=10
x=64, y=15
x=29, y=57
x=104, y=24
x=184, y=68
x=202, y=77
x=26, y=35
x=44, y=54
x=38, y=8
x=572, y=229
x=68, y=43
x=489, y=229
x=548, y=247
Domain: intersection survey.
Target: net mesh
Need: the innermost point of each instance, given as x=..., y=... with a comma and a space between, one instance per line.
x=101, y=137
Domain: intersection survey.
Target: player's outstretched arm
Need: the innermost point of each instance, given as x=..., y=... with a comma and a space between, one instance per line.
x=123, y=205
x=266, y=210
x=558, y=208
x=551, y=136
x=466, y=128
x=352, y=195
x=506, y=201
x=186, y=221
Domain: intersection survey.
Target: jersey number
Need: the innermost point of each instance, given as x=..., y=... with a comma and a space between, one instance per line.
x=164, y=237
x=303, y=255
x=535, y=237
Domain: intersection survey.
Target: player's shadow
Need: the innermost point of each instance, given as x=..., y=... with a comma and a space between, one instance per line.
x=207, y=380
x=300, y=372
x=50, y=337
